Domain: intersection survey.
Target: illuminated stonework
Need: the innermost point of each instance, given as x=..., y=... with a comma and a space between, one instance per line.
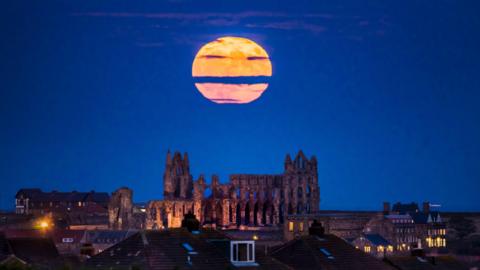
x=248, y=200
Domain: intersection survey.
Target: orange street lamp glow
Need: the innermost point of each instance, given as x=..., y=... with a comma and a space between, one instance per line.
x=43, y=224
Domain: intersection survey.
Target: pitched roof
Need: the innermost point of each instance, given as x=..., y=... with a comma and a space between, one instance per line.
x=328, y=252
x=424, y=218
x=415, y=263
x=5, y=250
x=404, y=208
x=107, y=236
x=377, y=240
x=23, y=233
x=59, y=235
x=34, y=250
x=163, y=250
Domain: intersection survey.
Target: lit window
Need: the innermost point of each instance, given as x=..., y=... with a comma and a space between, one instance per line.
x=390, y=248
x=380, y=249
x=290, y=226
x=67, y=240
x=367, y=249
x=301, y=226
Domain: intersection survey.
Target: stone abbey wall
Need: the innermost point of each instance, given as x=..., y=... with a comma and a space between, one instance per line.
x=246, y=200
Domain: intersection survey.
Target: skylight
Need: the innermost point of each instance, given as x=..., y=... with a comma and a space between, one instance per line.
x=189, y=248
x=327, y=253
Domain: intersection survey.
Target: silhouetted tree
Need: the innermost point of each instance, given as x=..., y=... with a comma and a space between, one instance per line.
x=190, y=222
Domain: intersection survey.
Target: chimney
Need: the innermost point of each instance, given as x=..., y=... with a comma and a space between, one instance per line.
x=386, y=207
x=426, y=207
x=316, y=229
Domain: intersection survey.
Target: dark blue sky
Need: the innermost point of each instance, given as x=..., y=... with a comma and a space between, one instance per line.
x=385, y=94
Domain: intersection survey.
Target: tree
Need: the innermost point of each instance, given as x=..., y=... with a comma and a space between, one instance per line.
x=462, y=226
x=190, y=222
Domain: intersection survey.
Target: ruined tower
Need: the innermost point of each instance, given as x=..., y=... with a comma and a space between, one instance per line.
x=301, y=184
x=177, y=180
x=120, y=209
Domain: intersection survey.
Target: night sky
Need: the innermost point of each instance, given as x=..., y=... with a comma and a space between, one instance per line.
x=386, y=95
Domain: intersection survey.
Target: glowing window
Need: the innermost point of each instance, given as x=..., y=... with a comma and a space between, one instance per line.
x=290, y=226
x=367, y=249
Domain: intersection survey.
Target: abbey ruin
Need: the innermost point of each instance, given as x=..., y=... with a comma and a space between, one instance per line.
x=246, y=200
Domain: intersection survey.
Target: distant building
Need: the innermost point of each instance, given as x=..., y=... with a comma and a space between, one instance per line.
x=406, y=227
x=37, y=202
x=374, y=244
x=74, y=210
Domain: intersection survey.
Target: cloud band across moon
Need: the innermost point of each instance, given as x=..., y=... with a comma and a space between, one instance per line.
x=231, y=70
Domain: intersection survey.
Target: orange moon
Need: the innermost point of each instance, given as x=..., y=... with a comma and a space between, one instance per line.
x=231, y=70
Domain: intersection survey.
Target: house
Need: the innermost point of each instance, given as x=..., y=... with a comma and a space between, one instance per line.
x=407, y=227
x=374, y=244
x=164, y=249
x=37, y=202
x=318, y=250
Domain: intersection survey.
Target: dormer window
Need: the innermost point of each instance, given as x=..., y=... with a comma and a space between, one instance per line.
x=242, y=253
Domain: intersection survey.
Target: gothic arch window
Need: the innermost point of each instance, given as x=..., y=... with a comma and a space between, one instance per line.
x=309, y=191
x=255, y=214
x=264, y=212
x=218, y=214
x=247, y=214
x=299, y=193
x=153, y=213
x=281, y=212
x=299, y=208
x=272, y=214
x=307, y=208
x=239, y=215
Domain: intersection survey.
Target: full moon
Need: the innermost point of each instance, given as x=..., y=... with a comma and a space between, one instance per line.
x=231, y=70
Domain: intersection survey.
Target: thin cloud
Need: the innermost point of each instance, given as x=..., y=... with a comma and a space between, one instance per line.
x=183, y=16
x=290, y=25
